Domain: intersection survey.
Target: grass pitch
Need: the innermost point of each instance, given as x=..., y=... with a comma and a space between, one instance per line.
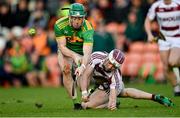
x=55, y=102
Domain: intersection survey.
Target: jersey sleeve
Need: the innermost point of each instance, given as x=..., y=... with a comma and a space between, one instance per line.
x=88, y=37
x=113, y=83
x=88, y=32
x=58, y=32
x=116, y=80
x=177, y=1
x=152, y=11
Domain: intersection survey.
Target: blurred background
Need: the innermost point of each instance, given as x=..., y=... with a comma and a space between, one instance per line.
x=32, y=60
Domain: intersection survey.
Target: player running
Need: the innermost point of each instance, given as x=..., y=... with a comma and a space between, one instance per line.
x=167, y=13
x=104, y=68
x=74, y=36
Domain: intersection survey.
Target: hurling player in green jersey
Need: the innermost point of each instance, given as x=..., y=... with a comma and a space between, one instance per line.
x=74, y=36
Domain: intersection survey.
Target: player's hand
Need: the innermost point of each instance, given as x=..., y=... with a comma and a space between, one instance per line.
x=112, y=105
x=77, y=58
x=79, y=70
x=150, y=38
x=85, y=98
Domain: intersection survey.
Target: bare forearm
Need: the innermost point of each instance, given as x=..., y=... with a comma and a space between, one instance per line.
x=112, y=99
x=86, y=77
x=84, y=83
x=67, y=52
x=85, y=59
x=61, y=41
x=112, y=95
x=148, y=26
x=87, y=50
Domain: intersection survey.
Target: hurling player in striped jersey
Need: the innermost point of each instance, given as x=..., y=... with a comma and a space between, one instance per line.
x=105, y=69
x=167, y=13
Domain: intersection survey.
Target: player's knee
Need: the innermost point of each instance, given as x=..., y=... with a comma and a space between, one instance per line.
x=127, y=92
x=173, y=61
x=66, y=69
x=132, y=92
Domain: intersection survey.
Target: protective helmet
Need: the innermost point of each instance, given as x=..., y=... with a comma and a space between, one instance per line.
x=77, y=9
x=116, y=57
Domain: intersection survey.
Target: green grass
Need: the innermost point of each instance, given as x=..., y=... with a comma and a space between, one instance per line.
x=21, y=102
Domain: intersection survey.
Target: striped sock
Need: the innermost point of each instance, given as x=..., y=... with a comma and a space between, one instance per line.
x=176, y=72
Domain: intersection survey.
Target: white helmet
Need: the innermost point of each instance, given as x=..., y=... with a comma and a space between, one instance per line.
x=116, y=57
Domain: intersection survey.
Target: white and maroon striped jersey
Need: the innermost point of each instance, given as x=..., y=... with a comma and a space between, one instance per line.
x=114, y=78
x=168, y=17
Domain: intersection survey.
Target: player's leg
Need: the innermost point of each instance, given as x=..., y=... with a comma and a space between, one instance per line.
x=136, y=94
x=66, y=71
x=66, y=68
x=174, y=61
x=164, y=47
x=139, y=94
x=102, y=106
x=98, y=99
x=167, y=69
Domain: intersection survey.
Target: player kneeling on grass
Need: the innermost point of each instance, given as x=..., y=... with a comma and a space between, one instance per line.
x=105, y=69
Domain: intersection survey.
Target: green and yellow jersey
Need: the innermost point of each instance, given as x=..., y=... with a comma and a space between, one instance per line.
x=75, y=39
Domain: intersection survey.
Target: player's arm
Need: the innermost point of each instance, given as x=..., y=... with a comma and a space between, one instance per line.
x=112, y=99
x=61, y=41
x=87, y=46
x=84, y=83
x=87, y=50
x=112, y=96
x=147, y=26
x=150, y=16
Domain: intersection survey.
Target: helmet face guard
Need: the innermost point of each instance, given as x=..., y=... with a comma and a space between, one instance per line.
x=76, y=10
x=76, y=22
x=116, y=57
